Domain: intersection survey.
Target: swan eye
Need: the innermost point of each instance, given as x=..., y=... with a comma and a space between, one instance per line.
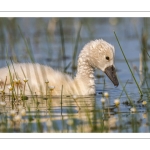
x=107, y=57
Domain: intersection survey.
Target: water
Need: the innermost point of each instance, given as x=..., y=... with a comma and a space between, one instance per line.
x=88, y=114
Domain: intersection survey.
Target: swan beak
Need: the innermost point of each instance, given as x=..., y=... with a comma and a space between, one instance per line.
x=111, y=73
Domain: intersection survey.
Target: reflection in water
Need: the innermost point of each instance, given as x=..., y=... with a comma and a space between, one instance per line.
x=56, y=114
x=56, y=42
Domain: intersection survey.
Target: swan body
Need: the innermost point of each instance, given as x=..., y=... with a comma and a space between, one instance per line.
x=96, y=54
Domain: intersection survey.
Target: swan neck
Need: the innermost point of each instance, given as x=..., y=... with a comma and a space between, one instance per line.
x=85, y=71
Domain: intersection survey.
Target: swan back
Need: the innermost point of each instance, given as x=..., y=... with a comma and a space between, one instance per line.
x=96, y=54
x=37, y=76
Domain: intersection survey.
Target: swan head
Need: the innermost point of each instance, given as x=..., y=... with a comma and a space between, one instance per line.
x=101, y=56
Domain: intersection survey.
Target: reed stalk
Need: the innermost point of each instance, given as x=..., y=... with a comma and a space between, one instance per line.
x=140, y=91
x=76, y=47
x=27, y=46
x=123, y=89
x=61, y=98
x=127, y=95
x=62, y=42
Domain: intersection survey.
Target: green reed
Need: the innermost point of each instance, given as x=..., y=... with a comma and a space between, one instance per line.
x=62, y=42
x=27, y=46
x=89, y=115
x=12, y=84
x=76, y=48
x=123, y=89
x=130, y=100
x=140, y=91
x=61, y=98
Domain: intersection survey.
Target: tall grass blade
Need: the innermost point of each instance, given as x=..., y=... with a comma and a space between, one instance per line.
x=123, y=89
x=148, y=54
x=127, y=95
x=76, y=47
x=11, y=81
x=27, y=82
x=62, y=42
x=27, y=46
x=65, y=69
x=140, y=91
x=61, y=98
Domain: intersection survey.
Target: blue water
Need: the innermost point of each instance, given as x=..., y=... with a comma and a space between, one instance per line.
x=44, y=40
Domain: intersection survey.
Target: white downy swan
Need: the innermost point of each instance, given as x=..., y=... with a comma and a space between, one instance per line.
x=96, y=54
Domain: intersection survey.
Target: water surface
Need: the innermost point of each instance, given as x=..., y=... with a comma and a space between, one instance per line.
x=52, y=42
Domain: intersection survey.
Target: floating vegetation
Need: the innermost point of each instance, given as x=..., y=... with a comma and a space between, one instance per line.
x=122, y=109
